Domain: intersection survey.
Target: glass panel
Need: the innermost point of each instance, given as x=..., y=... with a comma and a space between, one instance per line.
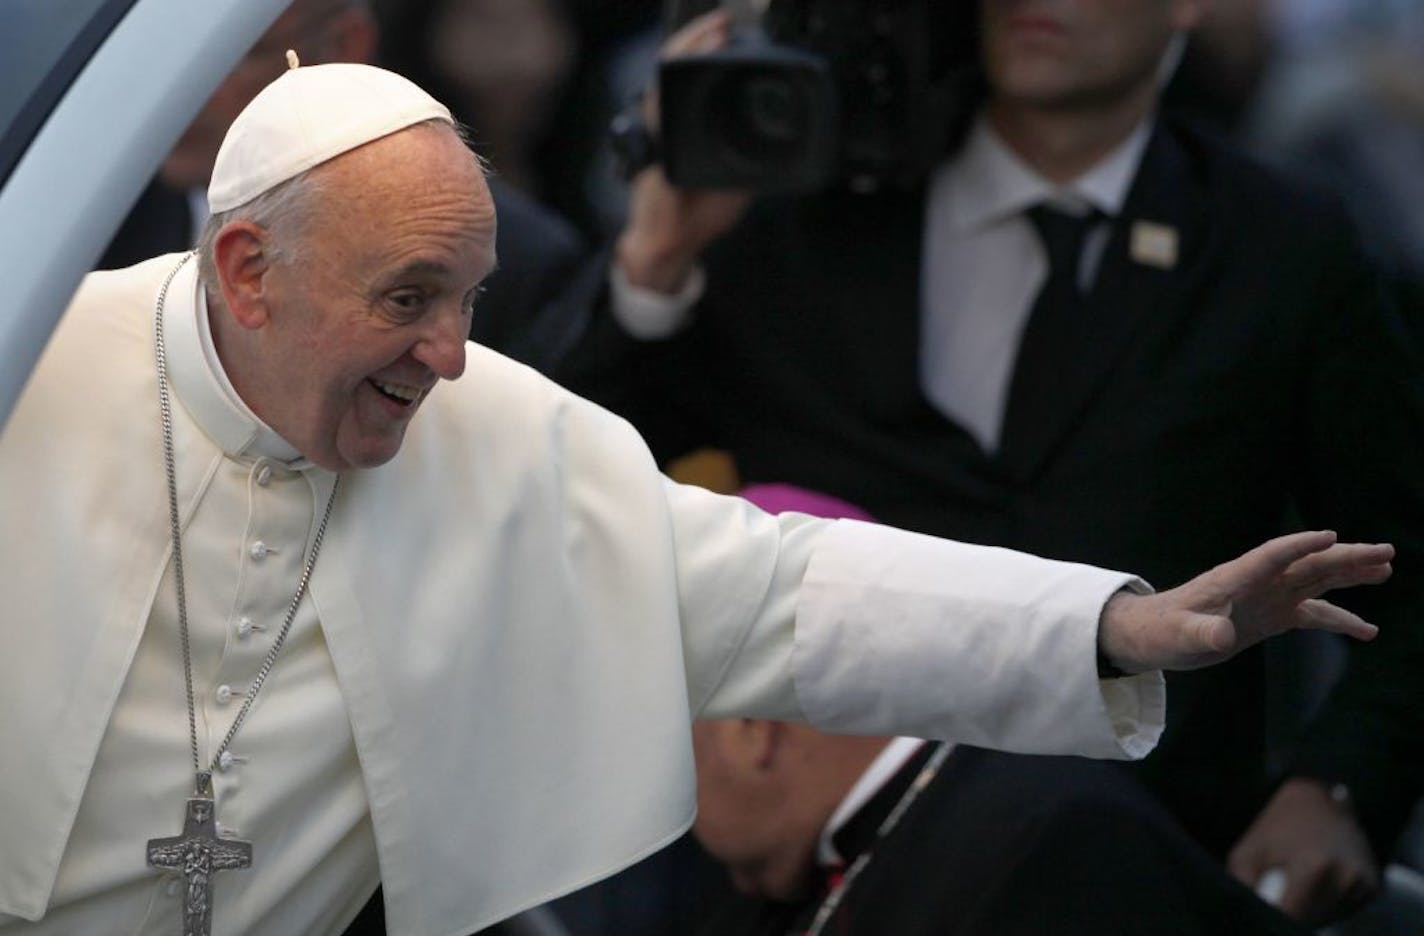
x=43, y=45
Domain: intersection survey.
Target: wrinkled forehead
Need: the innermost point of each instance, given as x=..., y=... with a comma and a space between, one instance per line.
x=419, y=192
x=416, y=168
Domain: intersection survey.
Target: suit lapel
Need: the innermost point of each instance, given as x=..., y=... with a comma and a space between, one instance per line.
x=1153, y=252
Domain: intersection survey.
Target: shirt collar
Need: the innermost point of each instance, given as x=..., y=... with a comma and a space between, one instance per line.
x=200, y=383
x=988, y=182
x=886, y=764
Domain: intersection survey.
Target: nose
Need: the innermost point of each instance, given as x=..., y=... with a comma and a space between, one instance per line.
x=442, y=348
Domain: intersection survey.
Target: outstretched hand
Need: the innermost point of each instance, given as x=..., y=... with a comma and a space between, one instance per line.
x=1274, y=588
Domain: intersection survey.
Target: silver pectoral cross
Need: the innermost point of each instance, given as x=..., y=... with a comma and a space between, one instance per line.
x=198, y=853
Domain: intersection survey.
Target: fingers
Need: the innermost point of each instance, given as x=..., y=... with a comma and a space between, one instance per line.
x=1307, y=844
x=705, y=33
x=1319, y=892
x=1247, y=862
x=1341, y=566
x=1302, y=897
x=1305, y=565
x=1316, y=614
x=1273, y=557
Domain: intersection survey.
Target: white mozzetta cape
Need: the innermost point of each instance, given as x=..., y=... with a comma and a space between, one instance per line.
x=523, y=614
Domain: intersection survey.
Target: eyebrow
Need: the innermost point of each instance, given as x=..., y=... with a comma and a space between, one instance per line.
x=422, y=268
x=431, y=268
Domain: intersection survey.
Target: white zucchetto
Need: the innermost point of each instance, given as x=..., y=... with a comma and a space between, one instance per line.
x=307, y=116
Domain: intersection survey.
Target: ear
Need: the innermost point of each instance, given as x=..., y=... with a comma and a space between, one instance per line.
x=243, y=260
x=762, y=742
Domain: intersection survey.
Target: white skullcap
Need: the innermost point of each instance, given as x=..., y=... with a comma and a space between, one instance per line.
x=306, y=117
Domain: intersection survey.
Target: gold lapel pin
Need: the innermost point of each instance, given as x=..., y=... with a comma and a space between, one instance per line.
x=1154, y=244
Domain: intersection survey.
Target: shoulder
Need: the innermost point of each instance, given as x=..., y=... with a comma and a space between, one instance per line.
x=1251, y=193
x=131, y=286
x=94, y=388
x=110, y=314
x=503, y=411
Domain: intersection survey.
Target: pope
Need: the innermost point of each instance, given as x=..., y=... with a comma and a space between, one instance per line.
x=274, y=640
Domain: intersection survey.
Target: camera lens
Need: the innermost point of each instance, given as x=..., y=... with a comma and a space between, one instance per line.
x=761, y=118
x=769, y=106
x=758, y=116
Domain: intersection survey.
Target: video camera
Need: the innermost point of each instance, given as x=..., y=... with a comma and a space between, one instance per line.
x=812, y=93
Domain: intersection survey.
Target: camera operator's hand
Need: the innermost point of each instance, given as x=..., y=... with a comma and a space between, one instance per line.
x=668, y=228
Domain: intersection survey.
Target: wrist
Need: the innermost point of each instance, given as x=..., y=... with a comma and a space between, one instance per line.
x=1115, y=629
x=1336, y=791
x=649, y=263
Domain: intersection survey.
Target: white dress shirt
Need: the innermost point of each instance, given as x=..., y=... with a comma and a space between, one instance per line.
x=983, y=265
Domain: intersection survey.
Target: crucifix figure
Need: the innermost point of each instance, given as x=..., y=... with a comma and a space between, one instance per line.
x=198, y=853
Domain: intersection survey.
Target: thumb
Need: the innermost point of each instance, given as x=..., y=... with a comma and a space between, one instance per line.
x=1300, y=896
x=1247, y=861
x=1210, y=633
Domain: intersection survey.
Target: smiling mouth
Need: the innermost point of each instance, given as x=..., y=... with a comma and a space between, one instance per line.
x=399, y=394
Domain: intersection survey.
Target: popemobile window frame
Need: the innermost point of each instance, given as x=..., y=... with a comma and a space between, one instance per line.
x=93, y=95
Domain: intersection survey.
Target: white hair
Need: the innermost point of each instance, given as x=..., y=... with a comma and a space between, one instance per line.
x=282, y=211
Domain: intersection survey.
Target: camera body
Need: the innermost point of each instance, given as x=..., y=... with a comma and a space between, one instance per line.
x=864, y=93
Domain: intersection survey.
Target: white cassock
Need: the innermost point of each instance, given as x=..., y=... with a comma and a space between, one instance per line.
x=485, y=700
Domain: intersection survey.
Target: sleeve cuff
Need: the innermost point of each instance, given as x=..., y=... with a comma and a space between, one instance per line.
x=648, y=315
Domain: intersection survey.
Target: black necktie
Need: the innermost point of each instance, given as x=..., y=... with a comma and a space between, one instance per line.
x=1055, y=316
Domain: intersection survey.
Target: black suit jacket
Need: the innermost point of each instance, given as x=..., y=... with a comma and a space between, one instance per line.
x=1262, y=377
x=534, y=305
x=1001, y=845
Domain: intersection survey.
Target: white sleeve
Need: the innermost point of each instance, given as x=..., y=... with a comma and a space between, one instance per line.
x=648, y=315
x=899, y=633
x=866, y=629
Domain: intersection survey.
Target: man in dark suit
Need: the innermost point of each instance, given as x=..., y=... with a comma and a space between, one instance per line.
x=864, y=835
x=1213, y=337
x=531, y=308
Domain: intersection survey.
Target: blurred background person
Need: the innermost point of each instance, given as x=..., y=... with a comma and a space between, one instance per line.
x=804, y=823
x=538, y=80
x=1333, y=89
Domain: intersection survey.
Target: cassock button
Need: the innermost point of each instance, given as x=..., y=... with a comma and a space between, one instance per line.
x=259, y=550
x=225, y=761
x=244, y=627
x=223, y=694
x=264, y=475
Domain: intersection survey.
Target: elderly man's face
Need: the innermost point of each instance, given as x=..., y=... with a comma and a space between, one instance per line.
x=1078, y=54
x=375, y=308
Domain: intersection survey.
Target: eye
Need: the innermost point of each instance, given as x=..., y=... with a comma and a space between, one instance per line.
x=407, y=303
